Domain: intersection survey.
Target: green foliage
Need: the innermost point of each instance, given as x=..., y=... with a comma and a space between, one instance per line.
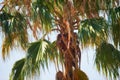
x=52, y=51
x=38, y=55
x=42, y=11
x=5, y=16
x=108, y=60
x=17, y=70
x=114, y=14
x=15, y=30
x=93, y=31
x=18, y=16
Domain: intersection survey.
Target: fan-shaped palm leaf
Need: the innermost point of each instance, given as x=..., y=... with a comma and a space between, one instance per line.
x=38, y=55
x=108, y=60
x=14, y=23
x=16, y=16
x=14, y=27
x=92, y=31
x=42, y=11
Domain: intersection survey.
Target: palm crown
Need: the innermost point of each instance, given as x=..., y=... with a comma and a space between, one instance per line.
x=75, y=22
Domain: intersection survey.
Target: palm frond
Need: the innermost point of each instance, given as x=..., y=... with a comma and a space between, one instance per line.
x=35, y=57
x=39, y=53
x=5, y=16
x=17, y=69
x=114, y=18
x=7, y=46
x=15, y=29
x=108, y=60
x=41, y=11
x=29, y=66
x=17, y=16
x=86, y=9
x=52, y=51
x=54, y=55
x=92, y=31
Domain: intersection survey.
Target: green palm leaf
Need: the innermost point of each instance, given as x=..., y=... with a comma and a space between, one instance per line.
x=18, y=17
x=35, y=58
x=41, y=11
x=14, y=27
x=38, y=56
x=92, y=31
x=52, y=51
x=108, y=60
x=17, y=70
x=114, y=14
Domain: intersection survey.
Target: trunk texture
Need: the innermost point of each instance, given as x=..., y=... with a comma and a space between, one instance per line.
x=68, y=44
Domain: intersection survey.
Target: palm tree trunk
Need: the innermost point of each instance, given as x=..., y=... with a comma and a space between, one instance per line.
x=67, y=42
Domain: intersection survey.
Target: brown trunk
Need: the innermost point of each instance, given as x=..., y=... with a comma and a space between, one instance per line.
x=67, y=42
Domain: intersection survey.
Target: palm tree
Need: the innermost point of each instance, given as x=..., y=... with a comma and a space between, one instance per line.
x=75, y=22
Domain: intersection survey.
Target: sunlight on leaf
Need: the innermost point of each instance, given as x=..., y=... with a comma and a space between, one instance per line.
x=39, y=53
